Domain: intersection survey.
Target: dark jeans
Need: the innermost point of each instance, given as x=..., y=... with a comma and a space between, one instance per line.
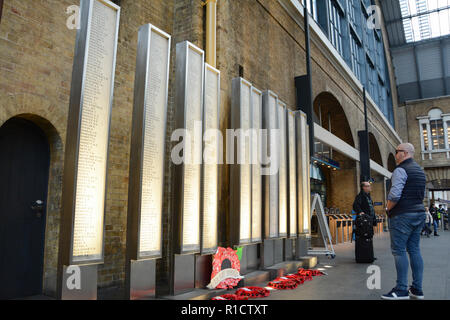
x=435, y=225
x=405, y=231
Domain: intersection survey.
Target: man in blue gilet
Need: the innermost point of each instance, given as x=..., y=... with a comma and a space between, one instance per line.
x=406, y=219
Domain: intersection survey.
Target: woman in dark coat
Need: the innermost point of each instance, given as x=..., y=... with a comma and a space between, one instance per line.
x=363, y=205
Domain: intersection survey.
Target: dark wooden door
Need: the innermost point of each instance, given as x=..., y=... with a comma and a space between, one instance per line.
x=24, y=166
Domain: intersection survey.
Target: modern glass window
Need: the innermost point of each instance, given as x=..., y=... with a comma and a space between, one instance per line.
x=312, y=7
x=355, y=52
x=344, y=24
x=335, y=27
x=354, y=12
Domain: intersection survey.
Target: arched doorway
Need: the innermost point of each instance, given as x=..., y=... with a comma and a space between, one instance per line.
x=339, y=171
x=24, y=168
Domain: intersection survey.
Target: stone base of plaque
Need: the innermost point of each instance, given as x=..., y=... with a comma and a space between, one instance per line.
x=255, y=278
x=284, y=268
x=278, y=248
x=273, y=252
x=267, y=253
x=142, y=280
x=87, y=276
x=288, y=249
x=308, y=262
x=183, y=274
x=203, y=270
x=302, y=245
x=197, y=294
x=249, y=260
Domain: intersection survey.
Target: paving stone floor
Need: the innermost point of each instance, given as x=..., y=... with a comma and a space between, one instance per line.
x=347, y=279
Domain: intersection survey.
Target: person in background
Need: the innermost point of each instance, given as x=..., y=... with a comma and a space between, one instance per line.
x=434, y=214
x=439, y=215
x=406, y=214
x=428, y=222
x=445, y=218
x=363, y=203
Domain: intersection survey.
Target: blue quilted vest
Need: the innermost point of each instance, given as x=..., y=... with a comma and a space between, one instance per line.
x=414, y=190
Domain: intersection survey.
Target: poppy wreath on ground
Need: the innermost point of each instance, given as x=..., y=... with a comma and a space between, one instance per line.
x=307, y=274
x=253, y=292
x=317, y=273
x=229, y=296
x=225, y=258
x=297, y=278
x=283, y=284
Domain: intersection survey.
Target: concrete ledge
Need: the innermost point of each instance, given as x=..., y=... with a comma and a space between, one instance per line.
x=308, y=261
x=197, y=294
x=281, y=269
x=254, y=278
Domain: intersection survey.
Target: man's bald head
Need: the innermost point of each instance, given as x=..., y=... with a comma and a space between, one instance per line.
x=408, y=147
x=404, y=151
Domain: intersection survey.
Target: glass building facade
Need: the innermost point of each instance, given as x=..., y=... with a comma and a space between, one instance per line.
x=344, y=22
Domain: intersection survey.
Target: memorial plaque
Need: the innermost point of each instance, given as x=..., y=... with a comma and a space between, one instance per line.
x=282, y=172
x=211, y=159
x=84, y=182
x=256, y=124
x=189, y=116
x=292, y=165
x=303, y=173
x=270, y=156
x=145, y=197
x=241, y=187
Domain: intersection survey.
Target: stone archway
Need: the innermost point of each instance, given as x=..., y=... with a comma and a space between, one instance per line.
x=53, y=201
x=329, y=113
x=342, y=183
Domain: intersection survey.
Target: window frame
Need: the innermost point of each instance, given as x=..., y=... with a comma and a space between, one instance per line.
x=335, y=24
x=427, y=122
